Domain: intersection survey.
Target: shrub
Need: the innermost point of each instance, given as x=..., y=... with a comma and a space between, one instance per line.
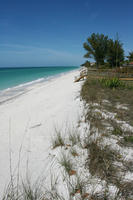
x=116, y=129
x=128, y=139
x=112, y=82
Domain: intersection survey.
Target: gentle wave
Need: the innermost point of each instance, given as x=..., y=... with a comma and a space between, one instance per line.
x=13, y=92
x=16, y=76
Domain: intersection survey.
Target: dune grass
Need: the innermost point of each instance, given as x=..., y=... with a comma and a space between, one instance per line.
x=25, y=190
x=58, y=140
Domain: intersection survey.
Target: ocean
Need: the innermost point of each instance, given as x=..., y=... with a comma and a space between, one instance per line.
x=10, y=77
x=15, y=81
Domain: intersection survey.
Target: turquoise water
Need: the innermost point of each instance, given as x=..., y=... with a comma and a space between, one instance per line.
x=11, y=77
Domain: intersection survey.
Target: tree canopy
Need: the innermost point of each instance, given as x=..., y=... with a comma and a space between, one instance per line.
x=96, y=47
x=115, y=53
x=130, y=57
x=86, y=64
x=102, y=49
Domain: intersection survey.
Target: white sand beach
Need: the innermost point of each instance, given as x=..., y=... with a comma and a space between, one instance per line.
x=27, y=124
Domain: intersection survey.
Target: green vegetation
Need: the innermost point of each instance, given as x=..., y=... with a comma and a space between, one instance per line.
x=130, y=56
x=117, y=130
x=24, y=190
x=112, y=83
x=105, y=51
x=102, y=93
x=86, y=64
x=96, y=47
x=66, y=163
x=78, y=187
x=58, y=140
x=128, y=139
x=74, y=138
x=115, y=53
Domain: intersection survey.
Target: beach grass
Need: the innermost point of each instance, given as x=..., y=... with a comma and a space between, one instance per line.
x=58, y=139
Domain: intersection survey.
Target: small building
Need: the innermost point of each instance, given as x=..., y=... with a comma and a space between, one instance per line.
x=131, y=64
x=92, y=63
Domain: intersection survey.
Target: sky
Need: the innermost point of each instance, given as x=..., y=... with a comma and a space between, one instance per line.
x=52, y=32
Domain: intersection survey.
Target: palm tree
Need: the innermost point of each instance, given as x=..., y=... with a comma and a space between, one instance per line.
x=130, y=57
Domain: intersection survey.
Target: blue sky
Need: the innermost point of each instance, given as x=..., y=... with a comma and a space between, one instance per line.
x=52, y=32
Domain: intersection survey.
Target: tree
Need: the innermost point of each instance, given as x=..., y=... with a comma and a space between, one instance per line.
x=86, y=64
x=96, y=47
x=130, y=57
x=115, y=54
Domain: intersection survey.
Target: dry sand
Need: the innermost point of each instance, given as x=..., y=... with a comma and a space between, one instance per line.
x=27, y=124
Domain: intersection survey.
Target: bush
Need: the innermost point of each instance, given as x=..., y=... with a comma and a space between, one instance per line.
x=105, y=66
x=128, y=139
x=112, y=82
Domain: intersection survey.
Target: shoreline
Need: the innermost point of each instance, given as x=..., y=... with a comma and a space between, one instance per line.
x=16, y=91
x=14, y=77
x=28, y=123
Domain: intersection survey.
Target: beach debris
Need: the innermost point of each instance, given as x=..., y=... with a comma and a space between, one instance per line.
x=72, y=172
x=36, y=125
x=83, y=74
